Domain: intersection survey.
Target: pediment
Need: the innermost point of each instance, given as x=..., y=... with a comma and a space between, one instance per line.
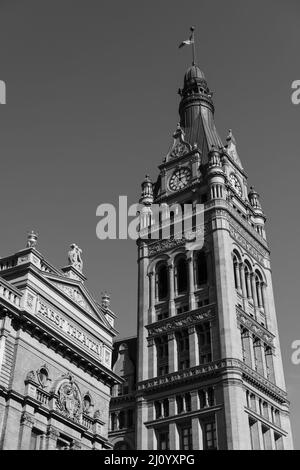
x=78, y=294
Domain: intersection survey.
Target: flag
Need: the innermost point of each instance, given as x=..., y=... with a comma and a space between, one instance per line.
x=187, y=42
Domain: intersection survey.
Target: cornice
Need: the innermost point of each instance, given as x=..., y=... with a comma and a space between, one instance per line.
x=250, y=323
x=183, y=320
x=63, y=345
x=213, y=369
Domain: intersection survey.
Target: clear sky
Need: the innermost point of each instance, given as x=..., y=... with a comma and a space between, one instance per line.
x=91, y=107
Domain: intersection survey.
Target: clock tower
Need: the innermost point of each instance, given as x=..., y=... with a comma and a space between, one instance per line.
x=209, y=372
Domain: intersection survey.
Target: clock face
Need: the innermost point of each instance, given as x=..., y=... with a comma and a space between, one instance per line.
x=235, y=184
x=179, y=179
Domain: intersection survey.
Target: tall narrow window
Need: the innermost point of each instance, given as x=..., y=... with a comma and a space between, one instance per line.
x=201, y=268
x=162, y=355
x=183, y=349
x=186, y=442
x=163, y=440
x=204, y=340
x=181, y=276
x=210, y=436
x=162, y=282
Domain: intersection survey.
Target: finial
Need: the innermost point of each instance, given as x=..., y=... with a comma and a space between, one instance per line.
x=74, y=257
x=105, y=300
x=32, y=238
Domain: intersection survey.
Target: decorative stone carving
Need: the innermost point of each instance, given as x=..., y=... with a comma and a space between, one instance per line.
x=69, y=401
x=179, y=147
x=98, y=415
x=235, y=233
x=74, y=257
x=31, y=376
x=52, y=432
x=27, y=419
x=179, y=321
x=231, y=148
x=75, y=294
x=255, y=328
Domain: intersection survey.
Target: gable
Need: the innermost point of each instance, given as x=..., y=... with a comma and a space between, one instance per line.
x=78, y=293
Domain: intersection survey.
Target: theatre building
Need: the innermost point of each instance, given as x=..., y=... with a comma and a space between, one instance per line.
x=55, y=355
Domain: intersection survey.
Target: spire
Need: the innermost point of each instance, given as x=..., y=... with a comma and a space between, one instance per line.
x=196, y=108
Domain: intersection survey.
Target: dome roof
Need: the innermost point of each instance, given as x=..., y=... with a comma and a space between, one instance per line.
x=192, y=73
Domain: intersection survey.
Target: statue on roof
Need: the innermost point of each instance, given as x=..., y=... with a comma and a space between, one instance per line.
x=32, y=238
x=74, y=257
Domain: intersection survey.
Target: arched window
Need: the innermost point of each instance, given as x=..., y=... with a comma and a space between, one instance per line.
x=201, y=268
x=162, y=282
x=259, y=288
x=181, y=276
x=236, y=270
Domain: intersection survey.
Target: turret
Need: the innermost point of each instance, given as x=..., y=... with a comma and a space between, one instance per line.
x=215, y=175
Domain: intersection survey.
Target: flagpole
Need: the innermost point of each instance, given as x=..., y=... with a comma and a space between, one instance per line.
x=193, y=45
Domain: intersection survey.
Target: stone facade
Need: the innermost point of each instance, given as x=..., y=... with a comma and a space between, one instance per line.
x=122, y=431
x=55, y=357
x=209, y=368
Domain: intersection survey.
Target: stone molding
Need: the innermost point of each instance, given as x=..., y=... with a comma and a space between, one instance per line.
x=215, y=368
x=27, y=419
x=180, y=321
x=254, y=327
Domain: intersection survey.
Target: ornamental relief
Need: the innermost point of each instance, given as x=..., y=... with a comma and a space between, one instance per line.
x=247, y=321
x=74, y=294
x=245, y=244
x=69, y=401
x=178, y=323
x=189, y=236
x=239, y=233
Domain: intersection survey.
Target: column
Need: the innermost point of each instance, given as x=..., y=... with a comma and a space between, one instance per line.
x=52, y=436
x=260, y=436
x=242, y=276
x=259, y=293
x=27, y=423
x=263, y=293
x=259, y=357
x=193, y=346
x=270, y=365
x=237, y=276
x=190, y=260
x=249, y=285
x=206, y=402
x=171, y=289
x=152, y=355
x=152, y=297
x=197, y=434
x=173, y=437
x=172, y=352
x=254, y=295
x=263, y=357
x=248, y=348
x=272, y=440
x=195, y=402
